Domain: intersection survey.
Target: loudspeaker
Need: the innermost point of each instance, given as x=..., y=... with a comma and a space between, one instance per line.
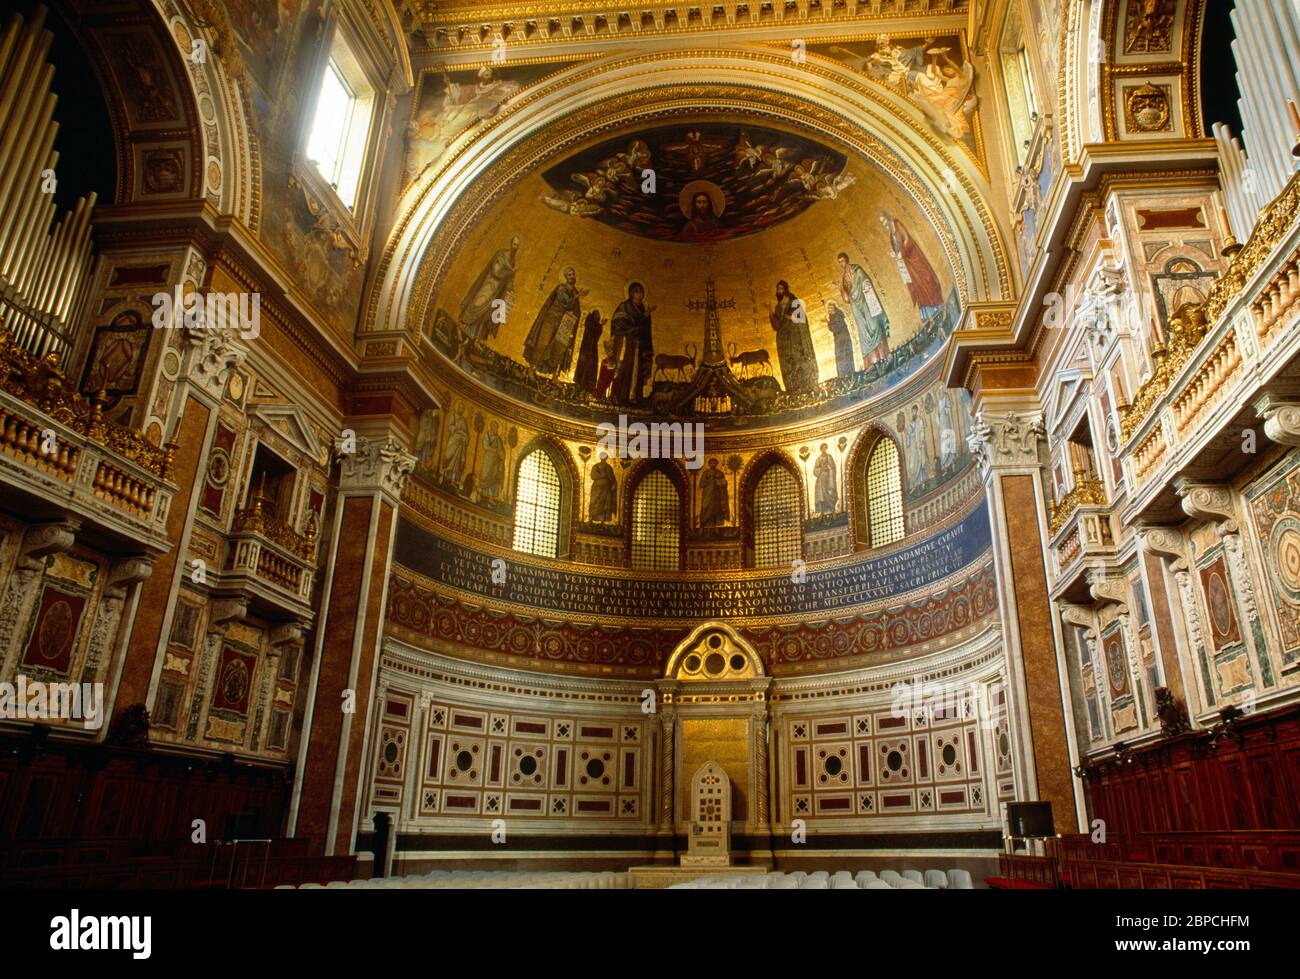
x=1030, y=819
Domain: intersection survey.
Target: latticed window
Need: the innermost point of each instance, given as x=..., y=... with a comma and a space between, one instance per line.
x=656, y=524
x=884, y=494
x=778, y=536
x=537, y=506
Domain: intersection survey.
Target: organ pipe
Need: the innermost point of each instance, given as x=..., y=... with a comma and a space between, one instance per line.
x=1259, y=165
x=45, y=259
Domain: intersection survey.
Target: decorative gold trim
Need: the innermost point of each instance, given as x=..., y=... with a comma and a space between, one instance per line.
x=44, y=386
x=1189, y=324
x=1087, y=490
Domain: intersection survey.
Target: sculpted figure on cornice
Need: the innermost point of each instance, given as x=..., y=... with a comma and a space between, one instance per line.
x=1101, y=309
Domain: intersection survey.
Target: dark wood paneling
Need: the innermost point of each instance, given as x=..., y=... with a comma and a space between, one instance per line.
x=1249, y=779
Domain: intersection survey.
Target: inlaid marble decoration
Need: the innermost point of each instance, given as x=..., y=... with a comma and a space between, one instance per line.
x=1218, y=603
x=1275, y=507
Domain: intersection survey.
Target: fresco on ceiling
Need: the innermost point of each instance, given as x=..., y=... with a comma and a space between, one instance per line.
x=833, y=304
x=446, y=104
x=933, y=72
x=696, y=182
x=280, y=43
x=265, y=30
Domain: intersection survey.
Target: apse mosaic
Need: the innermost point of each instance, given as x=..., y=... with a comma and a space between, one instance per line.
x=711, y=182
x=725, y=272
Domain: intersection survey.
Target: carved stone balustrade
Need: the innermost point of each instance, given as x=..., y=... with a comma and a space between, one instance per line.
x=270, y=562
x=57, y=449
x=1238, y=349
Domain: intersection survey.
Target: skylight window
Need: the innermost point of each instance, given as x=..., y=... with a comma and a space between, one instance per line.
x=340, y=128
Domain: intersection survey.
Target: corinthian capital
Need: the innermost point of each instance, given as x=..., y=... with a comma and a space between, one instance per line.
x=1010, y=439
x=376, y=465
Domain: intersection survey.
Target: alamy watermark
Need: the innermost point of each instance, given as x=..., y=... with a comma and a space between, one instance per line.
x=35, y=700
x=75, y=932
x=241, y=311
x=949, y=700
x=657, y=440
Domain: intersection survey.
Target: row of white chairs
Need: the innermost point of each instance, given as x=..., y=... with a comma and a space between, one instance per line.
x=508, y=879
x=841, y=880
x=609, y=880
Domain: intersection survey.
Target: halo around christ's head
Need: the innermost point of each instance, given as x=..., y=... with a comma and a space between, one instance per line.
x=716, y=197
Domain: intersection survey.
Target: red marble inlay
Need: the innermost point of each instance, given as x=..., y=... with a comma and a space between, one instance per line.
x=836, y=804
x=430, y=614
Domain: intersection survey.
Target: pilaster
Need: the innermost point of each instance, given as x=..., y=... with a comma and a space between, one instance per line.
x=336, y=731
x=1008, y=443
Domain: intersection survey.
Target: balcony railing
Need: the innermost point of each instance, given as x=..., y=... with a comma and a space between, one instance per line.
x=266, y=550
x=258, y=520
x=1087, y=490
x=1223, y=354
x=1191, y=324
x=52, y=433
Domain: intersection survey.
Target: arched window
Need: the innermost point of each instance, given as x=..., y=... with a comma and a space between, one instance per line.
x=778, y=531
x=656, y=524
x=537, y=506
x=884, y=494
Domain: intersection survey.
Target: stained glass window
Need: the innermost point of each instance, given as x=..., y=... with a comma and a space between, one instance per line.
x=778, y=536
x=656, y=524
x=537, y=506
x=884, y=494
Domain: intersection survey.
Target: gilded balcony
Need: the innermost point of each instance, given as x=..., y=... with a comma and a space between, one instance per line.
x=1222, y=357
x=270, y=561
x=1080, y=530
x=58, y=451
